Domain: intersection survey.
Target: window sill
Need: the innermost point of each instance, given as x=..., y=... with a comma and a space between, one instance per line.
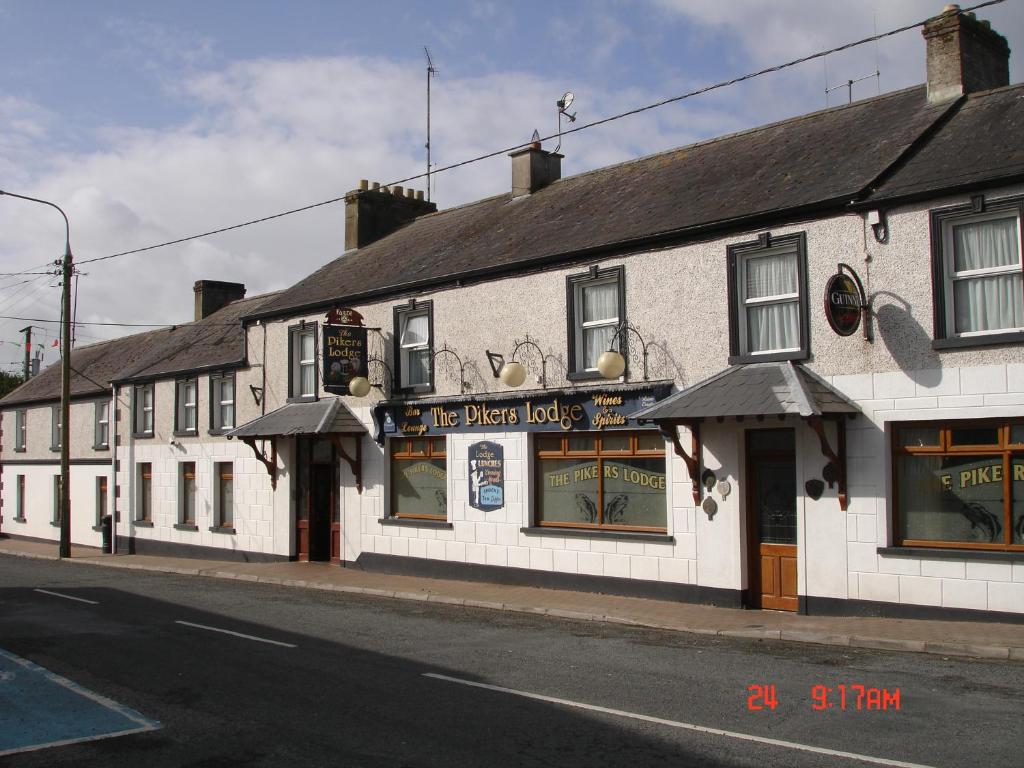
x=142, y=523
x=218, y=432
x=415, y=523
x=304, y=399
x=774, y=357
x=20, y=520
x=222, y=529
x=423, y=389
x=20, y=450
x=960, y=342
x=142, y=435
x=186, y=433
x=955, y=554
x=101, y=447
x=186, y=527
x=590, y=533
x=54, y=449
x=587, y=376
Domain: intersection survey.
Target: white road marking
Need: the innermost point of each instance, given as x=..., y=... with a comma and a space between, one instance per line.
x=65, y=742
x=236, y=634
x=67, y=597
x=684, y=726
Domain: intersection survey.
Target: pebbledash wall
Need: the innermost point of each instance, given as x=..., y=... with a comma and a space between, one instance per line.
x=677, y=298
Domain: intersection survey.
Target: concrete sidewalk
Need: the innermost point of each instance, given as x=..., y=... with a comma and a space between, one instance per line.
x=945, y=638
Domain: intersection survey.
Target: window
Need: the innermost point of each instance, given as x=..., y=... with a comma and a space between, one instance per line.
x=224, y=503
x=959, y=484
x=768, y=299
x=20, y=430
x=55, y=427
x=186, y=396
x=222, y=402
x=419, y=478
x=101, y=430
x=977, y=276
x=56, y=500
x=302, y=353
x=144, y=498
x=609, y=480
x=19, y=502
x=101, y=499
x=143, y=410
x=414, y=331
x=596, y=307
x=187, y=494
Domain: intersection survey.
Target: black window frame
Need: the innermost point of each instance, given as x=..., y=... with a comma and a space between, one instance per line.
x=398, y=312
x=294, y=370
x=143, y=494
x=216, y=427
x=138, y=413
x=19, y=498
x=573, y=285
x=97, y=444
x=20, y=430
x=735, y=255
x=943, y=337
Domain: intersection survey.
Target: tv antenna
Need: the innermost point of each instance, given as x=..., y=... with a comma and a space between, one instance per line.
x=563, y=109
x=431, y=71
x=848, y=85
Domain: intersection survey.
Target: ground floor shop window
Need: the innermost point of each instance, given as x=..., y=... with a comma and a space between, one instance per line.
x=225, y=499
x=144, y=497
x=610, y=480
x=419, y=478
x=959, y=484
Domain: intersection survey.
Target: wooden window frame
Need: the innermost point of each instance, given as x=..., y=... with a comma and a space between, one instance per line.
x=574, y=285
x=599, y=454
x=432, y=452
x=1003, y=447
x=940, y=220
x=736, y=256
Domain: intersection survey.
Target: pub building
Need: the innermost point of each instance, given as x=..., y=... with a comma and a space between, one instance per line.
x=781, y=369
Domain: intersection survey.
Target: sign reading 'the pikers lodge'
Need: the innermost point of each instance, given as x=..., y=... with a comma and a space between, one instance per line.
x=344, y=350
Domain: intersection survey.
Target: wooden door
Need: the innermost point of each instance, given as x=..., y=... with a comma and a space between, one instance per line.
x=771, y=519
x=302, y=500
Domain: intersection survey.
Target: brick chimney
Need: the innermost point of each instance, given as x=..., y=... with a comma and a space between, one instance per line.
x=964, y=55
x=533, y=168
x=212, y=295
x=371, y=214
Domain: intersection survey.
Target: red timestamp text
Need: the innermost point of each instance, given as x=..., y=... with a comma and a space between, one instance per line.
x=842, y=697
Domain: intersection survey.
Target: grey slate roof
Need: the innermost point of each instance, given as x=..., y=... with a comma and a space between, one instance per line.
x=824, y=159
x=214, y=341
x=981, y=142
x=756, y=389
x=320, y=417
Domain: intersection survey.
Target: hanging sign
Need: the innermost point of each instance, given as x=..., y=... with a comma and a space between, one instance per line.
x=344, y=350
x=844, y=301
x=486, y=476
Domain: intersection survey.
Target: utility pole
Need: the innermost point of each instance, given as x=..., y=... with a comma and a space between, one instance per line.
x=28, y=350
x=67, y=267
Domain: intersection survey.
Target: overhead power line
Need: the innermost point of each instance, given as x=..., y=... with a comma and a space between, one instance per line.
x=585, y=126
x=122, y=325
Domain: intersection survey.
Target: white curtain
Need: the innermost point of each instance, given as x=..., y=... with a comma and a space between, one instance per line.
x=775, y=325
x=991, y=302
x=600, y=304
x=596, y=341
x=415, y=330
x=417, y=362
x=307, y=371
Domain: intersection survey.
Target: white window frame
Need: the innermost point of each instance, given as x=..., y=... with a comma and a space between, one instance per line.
x=406, y=351
x=298, y=363
x=219, y=469
x=143, y=501
x=187, y=500
x=951, y=276
x=142, y=416
x=187, y=399
x=582, y=325
x=218, y=402
x=55, y=428
x=762, y=301
x=101, y=430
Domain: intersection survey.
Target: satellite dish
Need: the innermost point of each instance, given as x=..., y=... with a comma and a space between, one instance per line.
x=566, y=100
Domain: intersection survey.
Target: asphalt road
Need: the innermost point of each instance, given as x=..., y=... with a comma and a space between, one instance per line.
x=356, y=681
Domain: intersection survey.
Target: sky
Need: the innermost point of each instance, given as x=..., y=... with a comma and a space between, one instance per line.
x=150, y=121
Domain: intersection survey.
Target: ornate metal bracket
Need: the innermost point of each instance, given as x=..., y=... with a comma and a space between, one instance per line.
x=385, y=371
x=627, y=328
x=463, y=386
x=691, y=459
x=271, y=462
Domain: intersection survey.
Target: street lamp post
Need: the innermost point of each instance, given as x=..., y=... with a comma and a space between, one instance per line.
x=65, y=381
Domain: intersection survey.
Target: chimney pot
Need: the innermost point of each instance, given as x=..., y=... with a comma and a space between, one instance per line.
x=376, y=185
x=964, y=55
x=419, y=194
x=363, y=185
x=397, y=190
x=379, y=212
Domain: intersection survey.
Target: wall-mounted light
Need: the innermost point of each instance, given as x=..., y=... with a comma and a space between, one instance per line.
x=360, y=386
x=513, y=373
x=879, y=225
x=612, y=364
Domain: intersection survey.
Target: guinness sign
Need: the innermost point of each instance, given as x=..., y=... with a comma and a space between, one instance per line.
x=844, y=301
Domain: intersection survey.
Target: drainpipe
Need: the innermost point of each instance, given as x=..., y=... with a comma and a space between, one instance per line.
x=112, y=490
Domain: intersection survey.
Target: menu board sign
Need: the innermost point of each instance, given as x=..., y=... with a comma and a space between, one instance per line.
x=486, y=476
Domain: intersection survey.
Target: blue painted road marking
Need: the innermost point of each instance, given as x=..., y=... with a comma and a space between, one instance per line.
x=39, y=709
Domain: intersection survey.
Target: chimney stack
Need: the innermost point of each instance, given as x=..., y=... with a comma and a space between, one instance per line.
x=964, y=55
x=212, y=295
x=533, y=169
x=371, y=214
